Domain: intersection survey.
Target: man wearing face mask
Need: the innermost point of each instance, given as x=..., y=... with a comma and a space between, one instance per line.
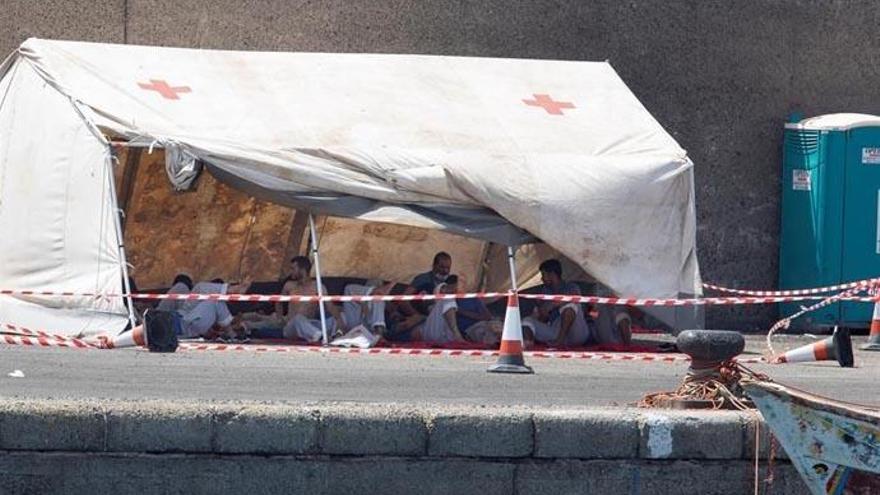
x=428, y=281
x=405, y=315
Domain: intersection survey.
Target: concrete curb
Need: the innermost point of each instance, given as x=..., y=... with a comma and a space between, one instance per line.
x=371, y=429
x=529, y=449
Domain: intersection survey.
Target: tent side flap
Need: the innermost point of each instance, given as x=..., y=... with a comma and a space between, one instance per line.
x=628, y=221
x=55, y=212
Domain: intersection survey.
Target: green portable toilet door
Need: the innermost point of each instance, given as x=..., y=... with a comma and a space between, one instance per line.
x=861, y=217
x=811, y=228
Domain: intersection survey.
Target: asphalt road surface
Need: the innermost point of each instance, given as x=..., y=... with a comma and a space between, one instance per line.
x=307, y=377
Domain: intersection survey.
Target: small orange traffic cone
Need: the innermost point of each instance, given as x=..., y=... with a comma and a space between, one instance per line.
x=874, y=338
x=510, y=359
x=135, y=338
x=837, y=347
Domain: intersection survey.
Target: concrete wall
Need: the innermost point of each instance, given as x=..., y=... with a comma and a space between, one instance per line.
x=720, y=75
x=160, y=447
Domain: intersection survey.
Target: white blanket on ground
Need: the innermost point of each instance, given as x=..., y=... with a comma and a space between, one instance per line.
x=358, y=337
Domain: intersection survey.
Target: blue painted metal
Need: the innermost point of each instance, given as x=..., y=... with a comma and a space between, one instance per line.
x=834, y=446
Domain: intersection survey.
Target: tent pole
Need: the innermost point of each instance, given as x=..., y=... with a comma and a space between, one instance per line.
x=511, y=253
x=120, y=245
x=318, y=276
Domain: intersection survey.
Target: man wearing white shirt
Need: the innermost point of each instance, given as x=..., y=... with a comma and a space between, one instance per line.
x=198, y=318
x=182, y=285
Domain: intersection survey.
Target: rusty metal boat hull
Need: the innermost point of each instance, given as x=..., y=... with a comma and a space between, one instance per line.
x=835, y=446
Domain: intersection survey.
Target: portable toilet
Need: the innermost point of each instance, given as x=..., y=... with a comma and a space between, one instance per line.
x=830, y=211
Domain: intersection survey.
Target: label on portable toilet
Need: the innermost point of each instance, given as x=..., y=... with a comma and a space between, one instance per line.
x=801, y=180
x=871, y=156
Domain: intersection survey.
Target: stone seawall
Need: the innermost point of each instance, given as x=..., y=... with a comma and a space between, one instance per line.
x=150, y=447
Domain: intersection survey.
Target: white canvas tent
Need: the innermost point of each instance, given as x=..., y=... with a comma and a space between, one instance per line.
x=499, y=150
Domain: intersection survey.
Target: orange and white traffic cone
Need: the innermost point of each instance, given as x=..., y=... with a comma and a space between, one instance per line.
x=510, y=359
x=874, y=338
x=137, y=337
x=837, y=347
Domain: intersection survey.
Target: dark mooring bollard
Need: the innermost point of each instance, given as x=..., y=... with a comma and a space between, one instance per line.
x=710, y=346
x=708, y=350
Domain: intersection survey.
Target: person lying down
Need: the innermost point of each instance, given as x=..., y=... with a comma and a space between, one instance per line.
x=206, y=319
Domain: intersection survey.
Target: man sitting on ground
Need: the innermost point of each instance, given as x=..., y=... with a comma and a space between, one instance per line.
x=557, y=324
x=405, y=315
x=370, y=314
x=270, y=325
x=441, y=325
x=427, y=282
x=462, y=320
x=613, y=323
x=476, y=322
x=303, y=317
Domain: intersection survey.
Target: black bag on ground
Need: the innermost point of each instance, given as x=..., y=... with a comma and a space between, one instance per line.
x=160, y=330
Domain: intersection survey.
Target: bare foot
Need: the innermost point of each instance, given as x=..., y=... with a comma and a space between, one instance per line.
x=380, y=331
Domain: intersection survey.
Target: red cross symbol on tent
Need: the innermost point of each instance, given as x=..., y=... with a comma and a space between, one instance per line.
x=547, y=103
x=164, y=89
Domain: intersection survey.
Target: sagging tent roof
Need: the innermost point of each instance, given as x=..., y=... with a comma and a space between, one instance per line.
x=503, y=150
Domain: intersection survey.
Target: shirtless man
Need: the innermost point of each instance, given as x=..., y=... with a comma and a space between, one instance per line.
x=303, y=318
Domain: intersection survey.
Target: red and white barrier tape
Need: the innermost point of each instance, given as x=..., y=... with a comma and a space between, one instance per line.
x=754, y=296
x=18, y=336
x=48, y=340
x=56, y=340
x=44, y=342
x=796, y=292
x=619, y=301
x=273, y=298
x=603, y=356
x=786, y=322
x=708, y=301
x=25, y=292
x=315, y=298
